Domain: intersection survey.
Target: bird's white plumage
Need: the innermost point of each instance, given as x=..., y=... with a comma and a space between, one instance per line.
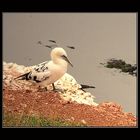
x=48, y=72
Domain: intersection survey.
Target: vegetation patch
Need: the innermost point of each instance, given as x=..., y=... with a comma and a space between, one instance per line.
x=14, y=120
x=122, y=65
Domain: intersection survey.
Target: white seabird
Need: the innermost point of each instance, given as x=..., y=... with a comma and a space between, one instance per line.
x=48, y=72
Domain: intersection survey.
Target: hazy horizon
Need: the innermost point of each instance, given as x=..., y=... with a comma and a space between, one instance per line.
x=96, y=37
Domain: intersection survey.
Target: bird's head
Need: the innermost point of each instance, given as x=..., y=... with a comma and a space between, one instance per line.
x=59, y=54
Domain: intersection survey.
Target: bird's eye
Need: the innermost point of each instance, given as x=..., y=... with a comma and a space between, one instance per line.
x=62, y=55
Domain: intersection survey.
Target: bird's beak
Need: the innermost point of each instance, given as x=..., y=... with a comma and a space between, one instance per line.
x=67, y=60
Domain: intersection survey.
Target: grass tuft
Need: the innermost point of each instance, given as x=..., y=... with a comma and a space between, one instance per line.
x=10, y=120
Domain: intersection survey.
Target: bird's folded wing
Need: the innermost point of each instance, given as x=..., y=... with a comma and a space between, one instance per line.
x=42, y=67
x=40, y=76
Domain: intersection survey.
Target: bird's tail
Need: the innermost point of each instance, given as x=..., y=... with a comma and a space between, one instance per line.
x=23, y=77
x=86, y=86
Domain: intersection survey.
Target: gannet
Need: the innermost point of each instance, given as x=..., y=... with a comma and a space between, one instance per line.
x=48, y=72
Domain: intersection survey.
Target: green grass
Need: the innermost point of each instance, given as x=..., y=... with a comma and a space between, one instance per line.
x=10, y=120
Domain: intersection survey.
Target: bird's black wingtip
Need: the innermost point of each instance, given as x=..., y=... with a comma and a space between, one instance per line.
x=22, y=77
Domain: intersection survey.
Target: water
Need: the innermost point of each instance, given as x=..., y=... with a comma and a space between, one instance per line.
x=96, y=37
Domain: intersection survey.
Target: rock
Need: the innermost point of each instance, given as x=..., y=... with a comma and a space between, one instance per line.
x=68, y=87
x=122, y=65
x=83, y=121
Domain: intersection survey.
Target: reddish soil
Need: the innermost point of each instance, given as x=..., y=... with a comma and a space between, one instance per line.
x=50, y=105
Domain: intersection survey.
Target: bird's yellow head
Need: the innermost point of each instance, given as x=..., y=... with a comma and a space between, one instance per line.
x=59, y=53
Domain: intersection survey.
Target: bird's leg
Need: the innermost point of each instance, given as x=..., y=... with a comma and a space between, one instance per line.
x=55, y=89
x=53, y=86
x=46, y=89
x=83, y=90
x=39, y=88
x=42, y=89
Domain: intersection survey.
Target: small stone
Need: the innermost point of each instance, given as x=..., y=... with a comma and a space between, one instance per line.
x=72, y=118
x=83, y=121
